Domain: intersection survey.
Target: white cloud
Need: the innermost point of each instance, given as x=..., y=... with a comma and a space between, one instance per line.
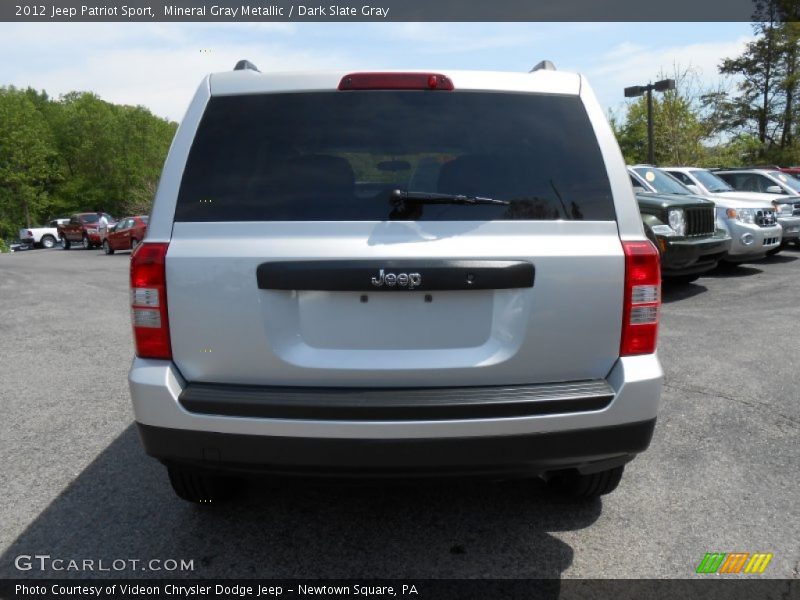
x=635, y=63
x=629, y=64
x=158, y=66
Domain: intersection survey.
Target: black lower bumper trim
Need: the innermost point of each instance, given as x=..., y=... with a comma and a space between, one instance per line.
x=529, y=454
x=396, y=404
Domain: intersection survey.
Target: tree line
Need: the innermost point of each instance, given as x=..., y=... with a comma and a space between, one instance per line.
x=75, y=153
x=80, y=153
x=755, y=122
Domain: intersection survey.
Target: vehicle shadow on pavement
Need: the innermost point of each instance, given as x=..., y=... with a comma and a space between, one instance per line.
x=781, y=258
x=728, y=270
x=673, y=291
x=121, y=507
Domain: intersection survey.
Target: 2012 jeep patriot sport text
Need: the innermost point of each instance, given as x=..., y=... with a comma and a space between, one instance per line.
x=395, y=274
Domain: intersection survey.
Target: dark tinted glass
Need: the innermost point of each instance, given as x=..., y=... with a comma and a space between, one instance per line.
x=336, y=156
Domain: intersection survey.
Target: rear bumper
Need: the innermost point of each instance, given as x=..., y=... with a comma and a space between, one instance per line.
x=587, y=450
x=252, y=436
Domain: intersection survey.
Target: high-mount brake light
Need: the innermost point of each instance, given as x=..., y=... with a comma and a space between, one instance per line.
x=395, y=81
x=149, y=301
x=642, y=301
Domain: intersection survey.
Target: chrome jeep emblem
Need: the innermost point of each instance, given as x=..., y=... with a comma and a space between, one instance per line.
x=406, y=280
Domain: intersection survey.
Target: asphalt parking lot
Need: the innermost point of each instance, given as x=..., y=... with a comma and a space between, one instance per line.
x=721, y=475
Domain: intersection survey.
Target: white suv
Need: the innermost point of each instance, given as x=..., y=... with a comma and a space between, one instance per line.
x=395, y=274
x=706, y=183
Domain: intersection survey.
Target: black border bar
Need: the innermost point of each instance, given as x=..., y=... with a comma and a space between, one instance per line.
x=733, y=588
x=386, y=11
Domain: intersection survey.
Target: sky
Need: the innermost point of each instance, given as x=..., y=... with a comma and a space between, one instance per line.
x=159, y=65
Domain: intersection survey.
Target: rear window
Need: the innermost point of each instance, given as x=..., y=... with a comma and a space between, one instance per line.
x=337, y=156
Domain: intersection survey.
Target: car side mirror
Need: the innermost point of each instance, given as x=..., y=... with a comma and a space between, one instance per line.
x=637, y=189
x=694, y=189
x=774, y=189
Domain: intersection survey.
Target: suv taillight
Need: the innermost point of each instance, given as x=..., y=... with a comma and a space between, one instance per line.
x=642, y=299
x=149, y=301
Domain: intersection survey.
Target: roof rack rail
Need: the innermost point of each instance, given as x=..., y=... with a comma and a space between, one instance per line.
x=544, y=65
x=245, y=65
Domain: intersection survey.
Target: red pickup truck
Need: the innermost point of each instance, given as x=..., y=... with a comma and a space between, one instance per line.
x=84, y=229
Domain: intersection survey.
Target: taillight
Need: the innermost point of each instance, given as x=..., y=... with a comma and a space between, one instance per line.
x=395, y=81
x=642, y=299
x=149, y=301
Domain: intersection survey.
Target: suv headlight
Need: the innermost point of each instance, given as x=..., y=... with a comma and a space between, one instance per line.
x=676, y=221
x=783, y=209
x=744, y=215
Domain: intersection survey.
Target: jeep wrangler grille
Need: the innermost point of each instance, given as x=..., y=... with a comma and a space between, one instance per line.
x=699, y=221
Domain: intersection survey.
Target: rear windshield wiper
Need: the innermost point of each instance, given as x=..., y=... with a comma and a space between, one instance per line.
x=400, y=197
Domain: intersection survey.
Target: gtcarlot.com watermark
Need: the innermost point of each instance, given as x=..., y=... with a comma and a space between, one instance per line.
x=45, y=562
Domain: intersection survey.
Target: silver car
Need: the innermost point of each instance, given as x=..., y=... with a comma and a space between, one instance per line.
x=707, y=183
x=394, y=274
x=752, y=224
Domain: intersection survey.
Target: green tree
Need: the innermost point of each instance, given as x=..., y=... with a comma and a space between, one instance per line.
x=28, y=161
x=768, y=72
x=73, y=154
x=679, y=130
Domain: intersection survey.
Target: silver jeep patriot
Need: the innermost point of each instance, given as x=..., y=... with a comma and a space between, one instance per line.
x=382, y=274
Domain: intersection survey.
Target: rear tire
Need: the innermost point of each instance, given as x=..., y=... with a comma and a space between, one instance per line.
x=134, y=243
x=107, y=247
x=65, y=245
x=198, y=487
x=48, y=241
x=87, y=245
x=589, y=486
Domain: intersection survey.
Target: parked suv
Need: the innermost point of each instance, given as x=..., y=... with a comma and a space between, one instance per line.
x=683, y=230
x=710, y=185
x=769, y=181
x=394, y=274
x=751, y=224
